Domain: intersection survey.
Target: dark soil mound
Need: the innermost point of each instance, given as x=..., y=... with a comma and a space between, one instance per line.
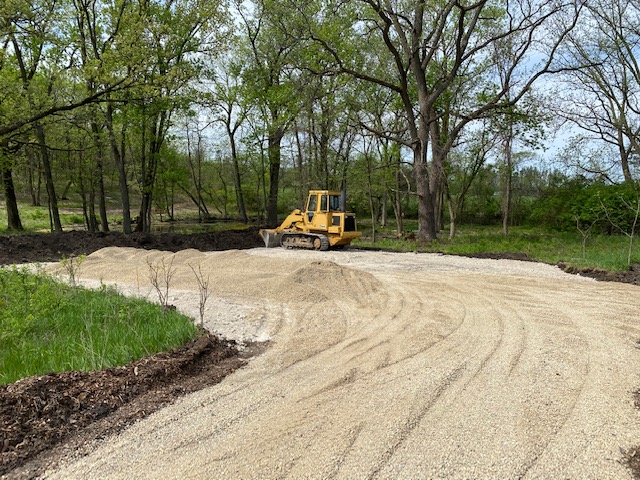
x=630, y=276
x=501, y=256
x=38, y=413
x=52, y=247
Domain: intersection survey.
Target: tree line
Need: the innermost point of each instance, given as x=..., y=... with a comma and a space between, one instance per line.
x=417, y=108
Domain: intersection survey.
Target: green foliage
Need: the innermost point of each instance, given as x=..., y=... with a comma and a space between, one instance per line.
x=482, y=205
x=583, y=202
x=312, y=84
x=48, y=326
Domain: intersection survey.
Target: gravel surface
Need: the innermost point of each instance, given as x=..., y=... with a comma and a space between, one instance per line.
x=389, y=366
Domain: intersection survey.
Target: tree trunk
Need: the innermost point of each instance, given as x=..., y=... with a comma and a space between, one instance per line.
x=438, y=159
x=144, y=201
x=65, y=192
x=383, y=213
x=13, y=215
x=119, y=159
x=171, y=211
x=372, y=207
x=426, y=214
x=150, y=167
x=144, y=216
x=83, y=196
x=225, y=194
x=262, y=188
x=453, y=212
x=624, y=159
x=34, y=167
x=102, y=207
x=452, y=218
x=397, y=198
x=102, y=203
x=300, y=169
x=195, y=167
x=93, y=221
x=275, y=138
x=324, y=151
x=508, y=176
x=439, y=207
x=236, y=179
x=51, y=190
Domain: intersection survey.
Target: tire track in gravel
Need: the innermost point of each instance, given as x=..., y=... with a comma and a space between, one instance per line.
x=532, y=308
x=434, y=367
x=475, y=358
x=597, y=409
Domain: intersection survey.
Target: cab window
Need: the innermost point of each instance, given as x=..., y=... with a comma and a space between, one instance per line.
x=312, y=204
x=323, y=203
x=334, y=203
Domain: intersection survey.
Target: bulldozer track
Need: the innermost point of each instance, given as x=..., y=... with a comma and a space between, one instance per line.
x=307, y=241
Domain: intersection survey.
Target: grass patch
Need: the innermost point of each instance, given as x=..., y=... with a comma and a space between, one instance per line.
x=47, y=326
x=36, y=219
x=608, y=252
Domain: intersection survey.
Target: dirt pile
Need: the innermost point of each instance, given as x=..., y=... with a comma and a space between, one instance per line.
x=453, y=368
x=630, y=276
x=52, y=247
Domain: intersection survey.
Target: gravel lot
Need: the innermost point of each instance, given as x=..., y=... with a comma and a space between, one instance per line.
x=389, y=366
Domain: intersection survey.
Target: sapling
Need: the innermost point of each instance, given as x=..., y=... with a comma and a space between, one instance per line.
x=203, y=288
x=160, y=275
x=72, y=266
x=586, y=233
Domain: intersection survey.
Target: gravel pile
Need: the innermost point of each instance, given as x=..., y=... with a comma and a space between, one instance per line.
x=390, y=366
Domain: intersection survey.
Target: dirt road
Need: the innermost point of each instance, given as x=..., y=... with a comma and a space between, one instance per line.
x=389, y=366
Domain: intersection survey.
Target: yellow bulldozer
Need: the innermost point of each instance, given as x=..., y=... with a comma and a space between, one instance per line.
x=324, y=224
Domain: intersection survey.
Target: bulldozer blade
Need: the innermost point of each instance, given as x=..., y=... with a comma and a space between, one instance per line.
x=271, y=238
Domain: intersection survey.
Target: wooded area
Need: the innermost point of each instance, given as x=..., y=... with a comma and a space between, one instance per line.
x=437, y=110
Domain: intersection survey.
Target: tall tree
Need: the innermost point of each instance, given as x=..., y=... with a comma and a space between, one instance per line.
x=38, y=64
x=230, y=109
x=37, y=59
x=601, y=86
x=99, y=27
x=176, y=33
x=270, y=81
x=434, y=47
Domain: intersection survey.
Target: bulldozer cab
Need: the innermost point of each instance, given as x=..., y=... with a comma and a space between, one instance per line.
x=320, y=205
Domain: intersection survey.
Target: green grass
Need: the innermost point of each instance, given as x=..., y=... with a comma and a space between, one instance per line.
x=36, y=219
x=608, y=252
x=47, y=326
